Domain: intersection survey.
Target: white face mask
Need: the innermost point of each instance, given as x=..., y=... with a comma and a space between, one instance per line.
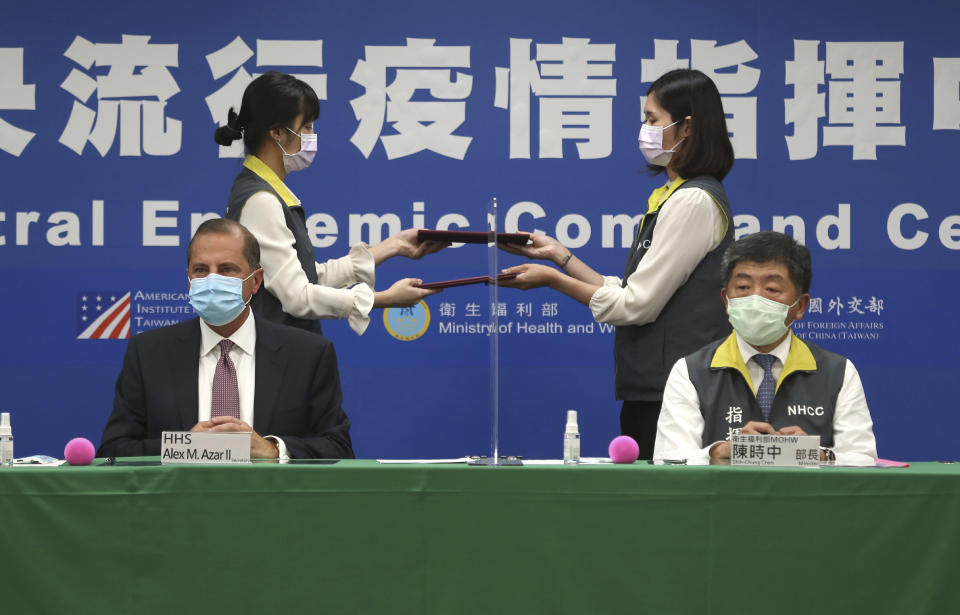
x=758, y=320
x=302, y=159
x=651, y=144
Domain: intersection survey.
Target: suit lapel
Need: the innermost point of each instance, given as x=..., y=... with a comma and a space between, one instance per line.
x=185, y=367
x=270, y=363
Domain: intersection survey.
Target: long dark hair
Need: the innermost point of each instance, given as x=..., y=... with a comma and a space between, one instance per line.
x=707, y=151
x=271, y=100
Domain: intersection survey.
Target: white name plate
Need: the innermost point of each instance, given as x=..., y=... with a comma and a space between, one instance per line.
x=771, y=450
x=193, y=447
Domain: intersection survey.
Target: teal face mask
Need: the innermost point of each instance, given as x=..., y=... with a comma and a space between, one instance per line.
x=758, y=320
x=217, y=299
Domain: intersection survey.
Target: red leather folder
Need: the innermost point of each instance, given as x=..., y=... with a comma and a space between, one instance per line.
x=480, y=279
x=471, y=236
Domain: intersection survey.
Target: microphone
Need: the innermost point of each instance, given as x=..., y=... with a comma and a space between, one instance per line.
x=623, y=449
x=79, y=452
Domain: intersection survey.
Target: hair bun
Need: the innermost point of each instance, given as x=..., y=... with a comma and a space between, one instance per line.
x=225, y=135
x=233, y=120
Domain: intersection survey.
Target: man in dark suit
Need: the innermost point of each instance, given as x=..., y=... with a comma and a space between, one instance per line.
x=226, y=371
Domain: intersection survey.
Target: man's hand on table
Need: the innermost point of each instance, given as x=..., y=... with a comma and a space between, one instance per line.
x=721, y=450
x=260, y=448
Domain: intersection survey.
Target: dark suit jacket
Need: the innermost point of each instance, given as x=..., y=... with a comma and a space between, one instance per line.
x=296, y=397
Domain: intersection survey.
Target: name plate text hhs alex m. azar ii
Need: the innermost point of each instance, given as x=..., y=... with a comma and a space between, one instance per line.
x=199, y=447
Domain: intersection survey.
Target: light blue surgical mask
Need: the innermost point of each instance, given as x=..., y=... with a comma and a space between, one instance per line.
x=218, y=299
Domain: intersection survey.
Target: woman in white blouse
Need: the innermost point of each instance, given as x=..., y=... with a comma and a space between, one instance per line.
x=275, y=122
x=667, y=304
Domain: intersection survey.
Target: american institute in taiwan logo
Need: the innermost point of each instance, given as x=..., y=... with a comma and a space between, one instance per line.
x=103, y=315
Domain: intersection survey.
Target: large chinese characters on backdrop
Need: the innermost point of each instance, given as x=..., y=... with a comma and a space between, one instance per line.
x=844, y=138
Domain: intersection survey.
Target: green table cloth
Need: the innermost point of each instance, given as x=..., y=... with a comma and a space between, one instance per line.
x=361, y=537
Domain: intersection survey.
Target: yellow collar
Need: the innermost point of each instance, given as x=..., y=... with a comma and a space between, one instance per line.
x=799, y=359
x=659, y=196
x=266, y=174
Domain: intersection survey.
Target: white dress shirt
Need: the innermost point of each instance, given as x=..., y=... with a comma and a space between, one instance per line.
x=689, y=228
x=680, y=428
x=283, y=275
x=243, y=354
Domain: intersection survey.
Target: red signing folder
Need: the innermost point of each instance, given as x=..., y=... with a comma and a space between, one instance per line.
x=480, y=279
x=471, y=237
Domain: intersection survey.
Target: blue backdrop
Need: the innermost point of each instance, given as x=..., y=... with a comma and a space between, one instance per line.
x=844, y=116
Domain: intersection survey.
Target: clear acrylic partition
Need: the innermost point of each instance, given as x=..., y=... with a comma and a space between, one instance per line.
x=493, y=269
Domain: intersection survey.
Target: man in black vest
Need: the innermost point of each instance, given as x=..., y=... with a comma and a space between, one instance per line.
x=762, y=379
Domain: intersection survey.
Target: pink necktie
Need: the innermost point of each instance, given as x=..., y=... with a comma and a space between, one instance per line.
x=226, y=396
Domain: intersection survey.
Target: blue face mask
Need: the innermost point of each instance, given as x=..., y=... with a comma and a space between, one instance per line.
x=218, y=299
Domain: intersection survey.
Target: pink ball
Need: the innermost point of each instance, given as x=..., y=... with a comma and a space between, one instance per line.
x=79, y=452
x=623, y=449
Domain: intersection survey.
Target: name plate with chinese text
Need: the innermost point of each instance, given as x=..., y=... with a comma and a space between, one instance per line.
x=775, y=450
x=203, y=447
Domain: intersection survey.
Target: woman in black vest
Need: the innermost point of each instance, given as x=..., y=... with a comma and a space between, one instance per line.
x=275, y=122
x=667, y=304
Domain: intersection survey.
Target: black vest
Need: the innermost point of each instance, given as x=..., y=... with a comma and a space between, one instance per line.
x=265, y=304
x=806, y=396
x=694, y=315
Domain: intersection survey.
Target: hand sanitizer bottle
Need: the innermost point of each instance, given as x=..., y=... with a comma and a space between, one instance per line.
x=571, y=439
x=6, y=441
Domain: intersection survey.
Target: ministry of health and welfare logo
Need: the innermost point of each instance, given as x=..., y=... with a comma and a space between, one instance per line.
x=407, y=323
x=103, y=315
